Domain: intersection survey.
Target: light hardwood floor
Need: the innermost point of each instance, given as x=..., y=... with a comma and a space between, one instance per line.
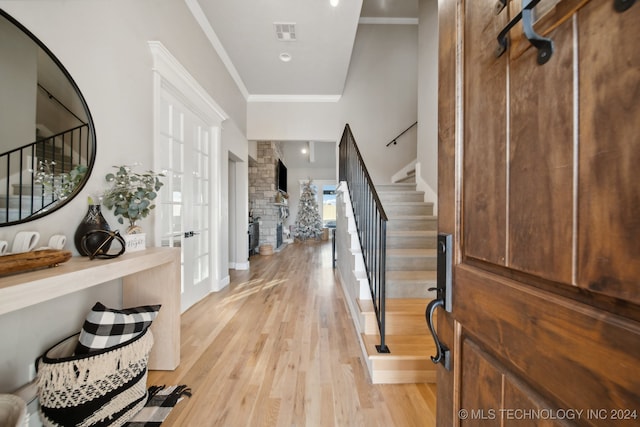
x=277, y=347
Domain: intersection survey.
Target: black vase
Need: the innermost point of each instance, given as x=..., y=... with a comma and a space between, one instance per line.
x=93, y=220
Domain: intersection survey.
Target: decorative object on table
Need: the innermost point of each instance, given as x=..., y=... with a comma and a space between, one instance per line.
x=4, y=247
x=105, y=387
x=97, y=244
x=308, y=221
x=25, y=241
x=59, y=184
x=135, y=242
x=93, y=220
x=17, y=263
x=132, y=195
x=98, y=377
x=13, y=410
x=107, y=327
x=57, y=241
x=161, y=401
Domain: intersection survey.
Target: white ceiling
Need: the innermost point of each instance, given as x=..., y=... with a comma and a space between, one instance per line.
x=243, y=33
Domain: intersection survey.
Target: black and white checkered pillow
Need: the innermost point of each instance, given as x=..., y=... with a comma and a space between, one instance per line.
x=106, y=327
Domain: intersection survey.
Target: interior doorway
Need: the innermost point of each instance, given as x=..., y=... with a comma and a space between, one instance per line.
x=237, y=212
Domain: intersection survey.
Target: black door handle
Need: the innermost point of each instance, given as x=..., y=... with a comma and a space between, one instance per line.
x=443, y=355
x=443, y=296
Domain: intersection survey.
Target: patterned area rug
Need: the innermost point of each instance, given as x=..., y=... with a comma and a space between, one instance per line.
x=161, y=401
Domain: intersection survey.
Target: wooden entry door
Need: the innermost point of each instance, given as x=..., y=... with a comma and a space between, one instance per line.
x=539, y=185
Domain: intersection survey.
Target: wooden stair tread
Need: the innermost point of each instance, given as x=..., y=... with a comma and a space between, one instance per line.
x=401, y=346
x=401, y=305
x=412, y=275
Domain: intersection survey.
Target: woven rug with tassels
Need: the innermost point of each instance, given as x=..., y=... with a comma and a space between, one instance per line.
x=160, y=402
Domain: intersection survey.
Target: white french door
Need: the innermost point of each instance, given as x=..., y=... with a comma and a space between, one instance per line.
x=183, y=152
x=187, y=135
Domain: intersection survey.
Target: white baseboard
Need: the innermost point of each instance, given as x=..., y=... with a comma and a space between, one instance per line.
x=221, y=284
x=239, y=265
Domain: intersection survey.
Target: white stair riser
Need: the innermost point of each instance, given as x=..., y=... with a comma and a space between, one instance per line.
x=401, y=186
x=392, y=209
x=415, y=224
x=411, y=241
x=390, y=197
x=411, y=290
x=404, y=263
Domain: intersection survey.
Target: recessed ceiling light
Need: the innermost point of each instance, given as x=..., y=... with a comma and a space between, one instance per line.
x=304, y=151
x=334, y=3
x=285, y=57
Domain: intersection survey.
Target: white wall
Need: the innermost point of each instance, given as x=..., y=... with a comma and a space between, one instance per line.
x=18, y=79
x=103, y=45
x=235, y=148
x=427, y=154
x=380, y=100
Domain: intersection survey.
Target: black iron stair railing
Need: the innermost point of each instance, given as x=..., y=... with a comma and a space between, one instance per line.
x=62, y=151
x=371, y=222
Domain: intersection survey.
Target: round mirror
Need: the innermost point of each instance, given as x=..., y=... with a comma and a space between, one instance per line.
x=47, y=138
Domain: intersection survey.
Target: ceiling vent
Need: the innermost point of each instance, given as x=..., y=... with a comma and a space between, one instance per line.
x=285, y=31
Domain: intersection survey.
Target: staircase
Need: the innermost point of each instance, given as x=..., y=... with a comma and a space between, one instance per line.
x=410, y=272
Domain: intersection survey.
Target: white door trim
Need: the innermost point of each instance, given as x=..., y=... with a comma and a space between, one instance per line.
x=169, y=69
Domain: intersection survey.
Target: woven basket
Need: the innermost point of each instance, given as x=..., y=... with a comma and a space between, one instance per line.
x=266, y=249
x=104, y=388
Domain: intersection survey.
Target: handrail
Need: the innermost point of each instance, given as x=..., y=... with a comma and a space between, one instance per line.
x=394, y=140
x=47, y=138
x=371, y=222
x=57, y=101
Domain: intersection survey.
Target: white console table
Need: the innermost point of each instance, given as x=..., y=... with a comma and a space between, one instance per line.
x=148, y=277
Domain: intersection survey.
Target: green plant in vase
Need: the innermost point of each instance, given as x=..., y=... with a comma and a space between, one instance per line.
x=131, y=195
x=58, y=184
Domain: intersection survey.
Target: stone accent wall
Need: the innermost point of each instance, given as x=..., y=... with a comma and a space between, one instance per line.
x=263, y=190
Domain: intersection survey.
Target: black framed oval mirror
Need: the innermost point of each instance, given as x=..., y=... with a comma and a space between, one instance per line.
x=47, y=136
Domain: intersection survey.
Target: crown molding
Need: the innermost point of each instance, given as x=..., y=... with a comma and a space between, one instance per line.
x=170, y=69
x=388, y=21
x=294, y=98
x=202, y=20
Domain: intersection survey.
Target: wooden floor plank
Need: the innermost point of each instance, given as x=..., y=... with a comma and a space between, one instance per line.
x=277, y=348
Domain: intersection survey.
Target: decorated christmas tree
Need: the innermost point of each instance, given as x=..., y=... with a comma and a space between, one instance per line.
x=308, y=221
